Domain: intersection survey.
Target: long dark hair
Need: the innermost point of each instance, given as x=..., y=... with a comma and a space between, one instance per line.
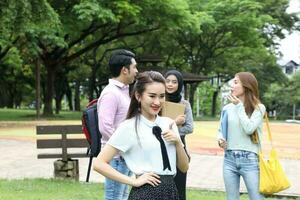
x=142, y=80
x=250, y=86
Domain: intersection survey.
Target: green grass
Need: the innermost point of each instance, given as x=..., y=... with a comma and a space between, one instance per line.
x=206, y=118
x=34, y=189
x=29, y=114
x=55, y=189
x=7, y=114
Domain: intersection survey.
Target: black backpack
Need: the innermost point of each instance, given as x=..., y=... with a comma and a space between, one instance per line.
x=91, y=131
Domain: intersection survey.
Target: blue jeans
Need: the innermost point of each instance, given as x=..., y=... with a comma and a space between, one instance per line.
x=239, y=163
x=113, y=189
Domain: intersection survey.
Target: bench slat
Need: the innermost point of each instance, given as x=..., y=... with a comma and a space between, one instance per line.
x=70, y=155
x=62, y=143
x=59, y=129
x=57, y=143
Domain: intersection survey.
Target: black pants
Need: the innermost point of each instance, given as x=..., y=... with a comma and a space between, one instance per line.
x=180, y=178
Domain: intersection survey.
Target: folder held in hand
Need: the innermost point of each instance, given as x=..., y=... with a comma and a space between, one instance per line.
x=172, y=110
x=224, y=124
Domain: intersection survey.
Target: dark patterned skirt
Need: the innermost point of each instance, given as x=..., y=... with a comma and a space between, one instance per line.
x=166, y=190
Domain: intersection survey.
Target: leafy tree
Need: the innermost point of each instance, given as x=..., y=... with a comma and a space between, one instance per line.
x=273, y=98
x=89, y=24
x=11, y=79
x=233, y=33
x=16, y=20
x=77, y=77
x=282, y=97
x=213, y=38
x=294, y=87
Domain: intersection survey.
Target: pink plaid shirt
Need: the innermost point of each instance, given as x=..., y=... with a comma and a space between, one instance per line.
x=112, y=107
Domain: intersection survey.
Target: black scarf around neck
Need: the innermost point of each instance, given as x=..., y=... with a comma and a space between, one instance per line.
x=174, y=97
x=157, y=132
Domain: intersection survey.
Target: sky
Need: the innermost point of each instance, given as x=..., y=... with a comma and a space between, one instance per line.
x=290, y=46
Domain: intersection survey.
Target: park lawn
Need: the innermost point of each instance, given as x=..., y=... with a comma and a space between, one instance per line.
x=203, y=139
x=27, y=129
x=30, y=114
x=34, y=189
x=55, y=189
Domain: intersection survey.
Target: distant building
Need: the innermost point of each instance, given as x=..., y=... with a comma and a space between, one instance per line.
x=290, y=68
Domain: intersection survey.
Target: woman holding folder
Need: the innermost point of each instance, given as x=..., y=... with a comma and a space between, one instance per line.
x=241, y=120
x=174, y=86
x=150, y=144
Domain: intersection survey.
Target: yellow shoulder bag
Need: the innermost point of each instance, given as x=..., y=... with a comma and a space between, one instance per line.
x=272, y=177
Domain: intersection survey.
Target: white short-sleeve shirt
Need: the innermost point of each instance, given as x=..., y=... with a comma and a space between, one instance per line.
x=144, y=156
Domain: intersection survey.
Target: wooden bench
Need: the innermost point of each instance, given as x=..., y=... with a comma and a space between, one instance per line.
x=62, y=167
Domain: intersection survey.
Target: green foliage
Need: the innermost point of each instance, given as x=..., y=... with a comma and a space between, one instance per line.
x=26, y=16
x=89, y=11
x=12, y=60
x=232, y=32
x=20, y=24
x=204, y=37
x=281, y=20
x=229, y=26
x=294, y=88
x=272, y=97
x=233, y=37
x=282, y=97
x=206, y=91
x=86, y=25
x=81, y=72
x=13, y=82
x=259, y=62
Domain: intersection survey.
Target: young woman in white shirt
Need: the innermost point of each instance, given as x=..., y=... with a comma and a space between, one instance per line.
x=150, y=144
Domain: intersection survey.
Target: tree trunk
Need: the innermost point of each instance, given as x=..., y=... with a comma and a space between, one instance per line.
x=18, y=100
x=38, y=87
x=77, y=96
x=57, y=104
x=10, y=102
x=2, y=99
x=11, y=97
x=98, y=91
x=58, y=94
x=191, y=93
x=48, y=110
x=69, y=96
x=16, y=94
x=92, y=81
x=214, y=103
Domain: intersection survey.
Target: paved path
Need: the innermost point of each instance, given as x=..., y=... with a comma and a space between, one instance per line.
x=18, y=160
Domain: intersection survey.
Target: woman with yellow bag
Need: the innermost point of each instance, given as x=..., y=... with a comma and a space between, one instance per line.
x=240, y=127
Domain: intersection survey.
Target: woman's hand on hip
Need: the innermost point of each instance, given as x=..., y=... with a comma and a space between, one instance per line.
x=147, y=178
